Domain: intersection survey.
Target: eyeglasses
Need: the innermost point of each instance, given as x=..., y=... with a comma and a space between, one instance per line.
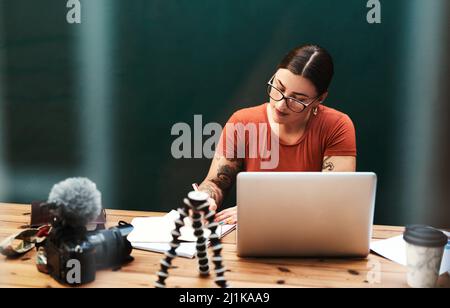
x=293, y=104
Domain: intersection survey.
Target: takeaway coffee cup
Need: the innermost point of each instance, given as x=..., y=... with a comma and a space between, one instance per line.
x=424, y=250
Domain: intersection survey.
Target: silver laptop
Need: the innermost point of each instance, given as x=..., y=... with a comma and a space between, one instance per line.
x=311, y=214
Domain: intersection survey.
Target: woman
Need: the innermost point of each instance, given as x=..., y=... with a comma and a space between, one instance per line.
x=311, y=137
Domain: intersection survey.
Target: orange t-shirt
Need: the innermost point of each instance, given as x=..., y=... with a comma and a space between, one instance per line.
x=329, y=133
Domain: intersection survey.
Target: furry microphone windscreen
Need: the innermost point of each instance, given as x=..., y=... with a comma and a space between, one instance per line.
x=78, y=199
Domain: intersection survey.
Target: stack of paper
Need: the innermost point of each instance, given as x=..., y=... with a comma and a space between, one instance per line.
x=394, y=249
x=154, y=234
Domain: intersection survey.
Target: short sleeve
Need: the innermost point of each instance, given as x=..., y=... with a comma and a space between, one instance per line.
x=228, y=142
x=341, y=138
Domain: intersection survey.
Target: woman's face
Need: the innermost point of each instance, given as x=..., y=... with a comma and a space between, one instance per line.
x=293, y=86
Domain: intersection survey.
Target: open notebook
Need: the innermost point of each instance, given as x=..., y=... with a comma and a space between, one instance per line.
x=154, y=234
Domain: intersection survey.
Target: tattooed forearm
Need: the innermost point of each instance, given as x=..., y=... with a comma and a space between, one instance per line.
x=327, y=164
x=221, y=179
x=225, y=176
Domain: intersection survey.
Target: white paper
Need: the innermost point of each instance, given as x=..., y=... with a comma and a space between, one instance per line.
x=394, y=249
x=158, y=229
x=154, y=234
x=186, y=250
x=150, y=229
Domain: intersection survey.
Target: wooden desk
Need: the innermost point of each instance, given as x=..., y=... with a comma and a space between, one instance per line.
x=266, y=273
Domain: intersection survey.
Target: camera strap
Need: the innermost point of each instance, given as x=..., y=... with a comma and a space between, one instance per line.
x=22, y=242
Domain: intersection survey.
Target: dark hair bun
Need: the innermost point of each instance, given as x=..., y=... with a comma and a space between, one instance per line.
x=312, y=62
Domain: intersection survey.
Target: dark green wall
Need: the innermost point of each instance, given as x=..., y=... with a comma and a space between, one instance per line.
x=173, y=59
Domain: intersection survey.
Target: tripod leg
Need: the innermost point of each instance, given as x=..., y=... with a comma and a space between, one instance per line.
x=217, y=249
x=171, y=253
x=202, y=253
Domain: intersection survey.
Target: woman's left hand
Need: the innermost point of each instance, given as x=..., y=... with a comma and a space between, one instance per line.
x=228, y=216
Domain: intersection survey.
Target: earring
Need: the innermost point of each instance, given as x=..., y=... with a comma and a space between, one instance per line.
x=315, y=111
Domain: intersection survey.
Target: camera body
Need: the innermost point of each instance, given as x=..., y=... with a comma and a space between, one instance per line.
x=74, y=254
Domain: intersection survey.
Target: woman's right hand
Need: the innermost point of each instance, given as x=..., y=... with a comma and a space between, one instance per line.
x=221, y=176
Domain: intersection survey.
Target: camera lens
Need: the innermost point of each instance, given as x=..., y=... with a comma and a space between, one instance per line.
x=111, y=246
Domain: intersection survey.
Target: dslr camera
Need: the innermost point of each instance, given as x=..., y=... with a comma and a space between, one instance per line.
x=75, y=254
x=71, y=254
